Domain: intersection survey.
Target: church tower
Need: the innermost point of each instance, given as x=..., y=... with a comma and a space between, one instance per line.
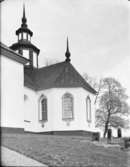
x=24, y=46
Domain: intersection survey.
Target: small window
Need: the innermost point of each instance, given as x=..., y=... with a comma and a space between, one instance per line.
x=67, y=105
x=43, y=109
x=88, y=107
x=24, y=36
x=26, y=53
x=20, y=36
x=34, y=59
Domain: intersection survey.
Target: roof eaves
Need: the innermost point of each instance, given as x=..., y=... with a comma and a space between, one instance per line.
x=24, y=44
x=85, y=84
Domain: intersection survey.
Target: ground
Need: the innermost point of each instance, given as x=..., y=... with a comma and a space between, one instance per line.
x=13, y=158
x=66, y=150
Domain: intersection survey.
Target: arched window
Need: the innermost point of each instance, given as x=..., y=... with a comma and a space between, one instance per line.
x=88, y=108
x=67, y=106
x=43, y=108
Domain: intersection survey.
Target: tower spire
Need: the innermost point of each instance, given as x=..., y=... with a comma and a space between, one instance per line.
x=67, y=53
x=24, y=20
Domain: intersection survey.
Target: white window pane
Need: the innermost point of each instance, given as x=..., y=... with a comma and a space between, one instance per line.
x=88, y=103
x=34, y=59
x=40, y=114
x=24, y=35
x=20, y=36
x=26, y=54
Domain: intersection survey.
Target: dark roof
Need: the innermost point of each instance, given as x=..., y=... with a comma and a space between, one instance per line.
x=24, y=44
x=60, y=75
x=24, y=29
x=6, y=51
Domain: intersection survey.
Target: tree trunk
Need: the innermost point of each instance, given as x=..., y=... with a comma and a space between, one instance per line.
x=106, y=125
x=106, y=129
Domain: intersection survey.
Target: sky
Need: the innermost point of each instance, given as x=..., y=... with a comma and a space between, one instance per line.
x=98, y=32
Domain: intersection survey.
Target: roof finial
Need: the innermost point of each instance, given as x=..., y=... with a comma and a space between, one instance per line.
x=67, y=53
x=24, y=20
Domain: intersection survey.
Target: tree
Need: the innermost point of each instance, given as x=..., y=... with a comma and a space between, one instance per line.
x=96, y=84
x=112, y=105
x=91, y=80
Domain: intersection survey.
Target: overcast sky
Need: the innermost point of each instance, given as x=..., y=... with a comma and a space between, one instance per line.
x=98, y=32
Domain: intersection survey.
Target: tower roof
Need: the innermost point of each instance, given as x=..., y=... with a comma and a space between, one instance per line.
x=24, y=26
x=24, y=44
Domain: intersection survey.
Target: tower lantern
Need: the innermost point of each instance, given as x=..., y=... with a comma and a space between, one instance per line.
x=24, y=46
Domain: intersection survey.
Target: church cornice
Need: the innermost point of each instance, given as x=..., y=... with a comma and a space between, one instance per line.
x=5, y=51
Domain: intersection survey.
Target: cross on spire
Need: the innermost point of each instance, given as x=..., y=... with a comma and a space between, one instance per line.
x=67, y=53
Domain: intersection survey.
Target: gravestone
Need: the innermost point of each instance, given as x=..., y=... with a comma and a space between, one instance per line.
x=109, y=135
x=119, y=133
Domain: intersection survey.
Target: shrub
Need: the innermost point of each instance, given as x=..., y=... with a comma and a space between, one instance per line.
x=96, y=136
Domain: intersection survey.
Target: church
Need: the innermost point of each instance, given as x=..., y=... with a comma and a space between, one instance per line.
x=53, y=99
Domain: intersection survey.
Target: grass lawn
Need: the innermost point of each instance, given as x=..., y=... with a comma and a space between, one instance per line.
x=65, y=150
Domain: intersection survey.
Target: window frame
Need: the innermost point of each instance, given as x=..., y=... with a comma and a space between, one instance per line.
x=42, y=97
x=20, y=36
x=26, y=53
x=25, y=36
x=88, y=109
x=72, y=106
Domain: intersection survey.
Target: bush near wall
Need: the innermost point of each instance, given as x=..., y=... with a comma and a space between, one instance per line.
x=96, y=136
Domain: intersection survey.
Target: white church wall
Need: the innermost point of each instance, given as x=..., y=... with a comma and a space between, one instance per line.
x=11, y=93
x=55, y=121
x=31, y=119
x=80, y=114
x=125, y=132
x=30, y=115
